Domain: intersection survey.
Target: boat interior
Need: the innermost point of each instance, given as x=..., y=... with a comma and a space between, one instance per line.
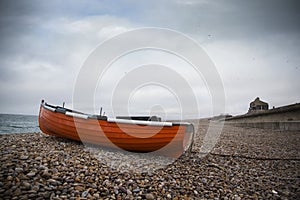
x=67, y=111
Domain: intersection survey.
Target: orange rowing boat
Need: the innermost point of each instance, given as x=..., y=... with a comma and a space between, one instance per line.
x=133, y=134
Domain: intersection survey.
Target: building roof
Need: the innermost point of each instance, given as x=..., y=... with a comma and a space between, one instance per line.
x=257, y=101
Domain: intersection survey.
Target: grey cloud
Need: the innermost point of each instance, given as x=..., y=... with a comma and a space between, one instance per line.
x=221, y=20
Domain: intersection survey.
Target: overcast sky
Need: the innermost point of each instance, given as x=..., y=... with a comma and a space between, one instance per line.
x=255, y=46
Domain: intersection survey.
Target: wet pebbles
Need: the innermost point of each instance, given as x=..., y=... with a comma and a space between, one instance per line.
x=246, y=163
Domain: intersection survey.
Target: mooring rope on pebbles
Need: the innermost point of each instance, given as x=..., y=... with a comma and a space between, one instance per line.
x=253, y=158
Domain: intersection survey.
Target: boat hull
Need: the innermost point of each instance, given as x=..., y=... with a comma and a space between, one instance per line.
x=171, y=140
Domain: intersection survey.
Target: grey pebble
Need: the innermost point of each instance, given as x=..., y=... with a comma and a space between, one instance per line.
x=23, y=157
x=19, y=169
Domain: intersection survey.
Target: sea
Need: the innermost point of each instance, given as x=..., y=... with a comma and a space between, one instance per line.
x=11, y=123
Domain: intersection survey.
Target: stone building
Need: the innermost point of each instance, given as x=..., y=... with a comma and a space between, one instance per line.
x=257, y=106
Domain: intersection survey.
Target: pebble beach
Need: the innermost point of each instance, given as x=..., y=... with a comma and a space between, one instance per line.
x=246, y=163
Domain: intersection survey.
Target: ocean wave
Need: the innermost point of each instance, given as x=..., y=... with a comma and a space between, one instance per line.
x=18, y=124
